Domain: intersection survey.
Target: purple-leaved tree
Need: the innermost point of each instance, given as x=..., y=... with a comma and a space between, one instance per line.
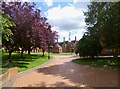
x=31, y=29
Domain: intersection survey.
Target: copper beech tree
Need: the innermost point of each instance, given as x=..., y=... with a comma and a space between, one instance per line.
x=30, y=30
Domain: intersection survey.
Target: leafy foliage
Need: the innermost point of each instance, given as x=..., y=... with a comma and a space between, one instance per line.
x=5, y=27
x=89, y=46
x=31, y=29
x=7, y=34
x=104, y=22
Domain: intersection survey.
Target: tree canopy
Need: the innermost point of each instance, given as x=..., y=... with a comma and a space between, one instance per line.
x=89, y=46
x=31, y=29
x=103, y=22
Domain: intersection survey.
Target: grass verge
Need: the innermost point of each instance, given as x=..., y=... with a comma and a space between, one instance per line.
x=25, y=63
x=99, y=62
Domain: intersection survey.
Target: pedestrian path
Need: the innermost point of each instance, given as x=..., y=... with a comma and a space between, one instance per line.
x=61, y=72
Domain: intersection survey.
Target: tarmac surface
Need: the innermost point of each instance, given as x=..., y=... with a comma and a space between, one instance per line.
x=62, y=72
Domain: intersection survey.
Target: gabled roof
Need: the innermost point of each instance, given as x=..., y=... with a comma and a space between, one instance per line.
x=60, y=43
x=57, y=46
x=66, y=42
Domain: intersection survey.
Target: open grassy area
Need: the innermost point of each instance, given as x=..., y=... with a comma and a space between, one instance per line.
x=25, y=63
x=99, y=62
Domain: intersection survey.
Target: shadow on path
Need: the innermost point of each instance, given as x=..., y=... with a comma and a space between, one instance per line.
x=61, y=72
x=81, y=74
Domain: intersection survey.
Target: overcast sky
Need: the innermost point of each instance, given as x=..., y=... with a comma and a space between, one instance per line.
x=65, y=16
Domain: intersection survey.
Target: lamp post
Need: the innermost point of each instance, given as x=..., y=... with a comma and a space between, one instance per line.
x=49, y=47
x=48, y=50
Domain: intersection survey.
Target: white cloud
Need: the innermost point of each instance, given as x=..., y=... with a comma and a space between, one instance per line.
x=67, y=19
x=75, y=1
x=49, y=2
x=39, y=8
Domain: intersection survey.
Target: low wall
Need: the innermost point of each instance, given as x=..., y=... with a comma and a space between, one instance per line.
x=4, y=78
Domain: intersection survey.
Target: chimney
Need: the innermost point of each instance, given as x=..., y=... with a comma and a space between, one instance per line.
x=63, y=39
x=57, y=38
x=75, y=38
x=69, y=36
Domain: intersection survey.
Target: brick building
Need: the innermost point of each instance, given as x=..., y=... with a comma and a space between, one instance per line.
x=69, y=46
x=65, y=46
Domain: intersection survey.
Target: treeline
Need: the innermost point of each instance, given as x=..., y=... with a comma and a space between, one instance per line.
x=23, y=27
x=103, y=29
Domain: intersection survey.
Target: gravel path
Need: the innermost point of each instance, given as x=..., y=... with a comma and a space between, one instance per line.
x=61, y=72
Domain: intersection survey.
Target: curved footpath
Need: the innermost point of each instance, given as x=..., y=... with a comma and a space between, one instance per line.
x=61, y=72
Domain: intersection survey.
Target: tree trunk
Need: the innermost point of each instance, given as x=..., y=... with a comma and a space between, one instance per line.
x=43, y=52
x=29, y=51
x=115, y=56
x=92, y=56
x=22, y=53
x=10, y=56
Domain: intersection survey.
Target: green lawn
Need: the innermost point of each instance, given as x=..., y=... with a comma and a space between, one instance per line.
x=101, y=62
x=25, y=63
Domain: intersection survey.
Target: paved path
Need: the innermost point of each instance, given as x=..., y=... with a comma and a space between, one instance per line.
x=61, y=72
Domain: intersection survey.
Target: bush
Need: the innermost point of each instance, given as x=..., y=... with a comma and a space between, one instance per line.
x=89, y=47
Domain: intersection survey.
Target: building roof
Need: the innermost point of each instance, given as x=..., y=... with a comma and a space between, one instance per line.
x=60, y=43
x=57, y=46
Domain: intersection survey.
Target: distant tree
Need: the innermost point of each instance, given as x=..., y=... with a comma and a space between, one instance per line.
x=45, y=36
